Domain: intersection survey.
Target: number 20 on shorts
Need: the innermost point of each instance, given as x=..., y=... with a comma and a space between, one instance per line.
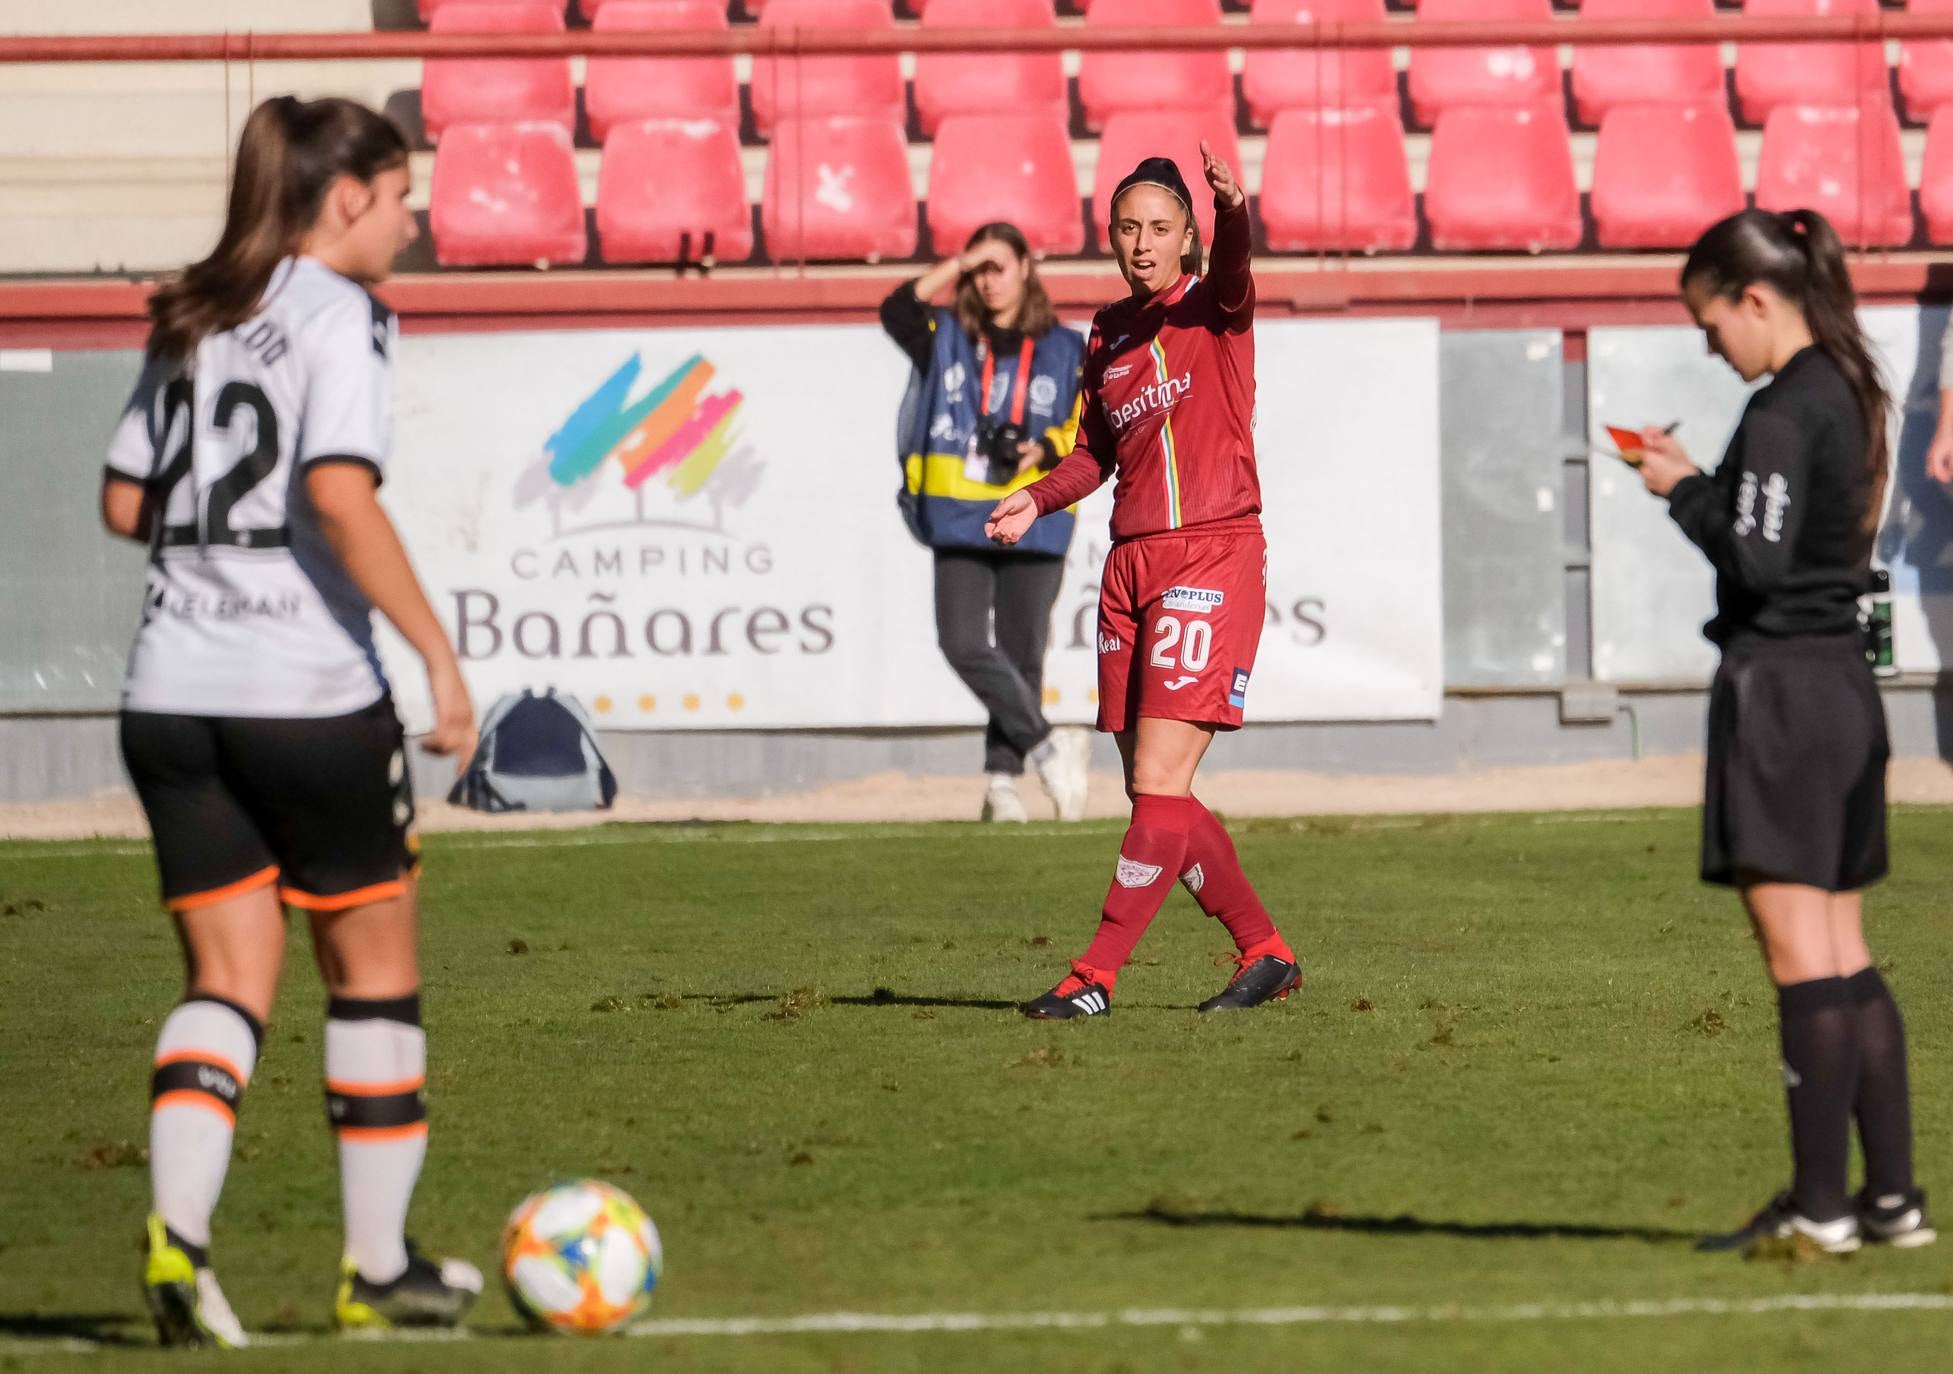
x=1194, y=639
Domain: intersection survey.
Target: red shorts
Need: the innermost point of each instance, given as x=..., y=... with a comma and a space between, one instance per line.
x=1180, y=618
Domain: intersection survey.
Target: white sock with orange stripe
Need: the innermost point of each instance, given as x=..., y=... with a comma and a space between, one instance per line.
x=376, y=1068
x=204, y=1059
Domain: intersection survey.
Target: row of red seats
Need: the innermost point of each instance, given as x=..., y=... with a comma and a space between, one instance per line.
x=590, y=9
x=623, y=90
x=1336, y=180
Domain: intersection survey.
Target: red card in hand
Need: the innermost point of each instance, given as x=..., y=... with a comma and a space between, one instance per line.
x=1628, y=441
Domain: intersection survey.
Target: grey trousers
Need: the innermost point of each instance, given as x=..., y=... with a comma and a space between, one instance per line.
x=1014, y=592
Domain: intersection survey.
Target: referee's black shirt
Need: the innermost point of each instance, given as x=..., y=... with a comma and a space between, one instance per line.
x=1783, y=518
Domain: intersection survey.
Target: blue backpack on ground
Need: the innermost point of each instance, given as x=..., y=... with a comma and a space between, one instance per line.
x=537, y=753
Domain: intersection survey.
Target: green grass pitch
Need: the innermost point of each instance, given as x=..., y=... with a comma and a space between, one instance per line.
x=1533, y=1057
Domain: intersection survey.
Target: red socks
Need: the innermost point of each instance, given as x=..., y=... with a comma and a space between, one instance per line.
x=1150, y=857
x=1172, y=836
x=1212, y=873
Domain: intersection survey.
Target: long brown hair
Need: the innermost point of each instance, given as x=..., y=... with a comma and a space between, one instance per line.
x=290, y=153
x=1035, y=317
x=1798, y=254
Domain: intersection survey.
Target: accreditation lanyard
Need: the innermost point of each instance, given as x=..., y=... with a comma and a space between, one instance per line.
x=1021, y=383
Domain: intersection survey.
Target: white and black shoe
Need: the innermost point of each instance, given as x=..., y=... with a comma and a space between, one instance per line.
x=1782, y=1221
x=1897, y=1219
x=1073, y=997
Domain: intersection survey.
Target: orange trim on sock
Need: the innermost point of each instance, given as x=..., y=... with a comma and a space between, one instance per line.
x=205, y=1057
x=373, y=1135
x=405, y=1085
x=185, y=1097
x=340, y=901
x=264, y=877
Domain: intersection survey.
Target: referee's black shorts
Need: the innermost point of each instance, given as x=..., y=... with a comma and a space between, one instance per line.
x=1796, y=770
x=323, y=808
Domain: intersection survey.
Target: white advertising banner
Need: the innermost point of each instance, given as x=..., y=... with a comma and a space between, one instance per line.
x=1652, y=590
x=696, y=528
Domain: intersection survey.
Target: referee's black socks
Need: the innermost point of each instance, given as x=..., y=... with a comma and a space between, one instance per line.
x=1882, y=1104
x=1820, y=1074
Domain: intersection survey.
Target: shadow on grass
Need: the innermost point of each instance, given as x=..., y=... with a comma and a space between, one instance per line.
x=1323, y=1219
x=888, y=997
x=100, y=1328
x=880, y=997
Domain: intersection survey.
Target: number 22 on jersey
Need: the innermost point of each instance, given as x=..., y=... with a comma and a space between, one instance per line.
x=246, y=429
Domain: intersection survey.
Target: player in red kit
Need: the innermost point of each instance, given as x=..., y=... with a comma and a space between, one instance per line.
x=1168, y=407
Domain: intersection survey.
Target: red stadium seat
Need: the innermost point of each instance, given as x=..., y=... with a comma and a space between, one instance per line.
x=1305, y=78
x=430, y=8
x=1843, y=161
x=1773, y=74
x=1337, y=181
x=1131, y=137
x=1014, y=167
x=1936, y=178
x=838, y=187
x=1926, y=67
x=624, y=90
x=1444, y=79
x=1606, y=76
x=949, y=83
x=1502, y=179
x=506, y=195
x=497, y=90
x=1112, y=82
x=868, y=86
x=673, y=190
x=1663, y=174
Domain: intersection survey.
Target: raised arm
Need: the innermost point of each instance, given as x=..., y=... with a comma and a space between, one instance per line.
x=1230, y=263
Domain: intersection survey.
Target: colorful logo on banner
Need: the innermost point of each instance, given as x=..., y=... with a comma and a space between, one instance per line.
x=674, y=437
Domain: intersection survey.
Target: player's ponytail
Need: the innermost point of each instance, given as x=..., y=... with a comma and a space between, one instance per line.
x=1798, y=255
x=290, y=153
x=1831, y=310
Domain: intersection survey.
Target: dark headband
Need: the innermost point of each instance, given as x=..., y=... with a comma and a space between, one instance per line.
x=1155, y=171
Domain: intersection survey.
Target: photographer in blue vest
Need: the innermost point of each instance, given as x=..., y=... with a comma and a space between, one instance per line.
x=992, y=405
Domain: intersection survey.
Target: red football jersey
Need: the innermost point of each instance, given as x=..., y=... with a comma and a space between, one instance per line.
x=1168, y=400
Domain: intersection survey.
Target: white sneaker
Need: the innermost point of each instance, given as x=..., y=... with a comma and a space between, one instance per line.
x=1001, y=802
x=1063, y=764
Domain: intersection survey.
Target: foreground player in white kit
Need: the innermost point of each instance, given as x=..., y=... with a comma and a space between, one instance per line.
x=257, y=726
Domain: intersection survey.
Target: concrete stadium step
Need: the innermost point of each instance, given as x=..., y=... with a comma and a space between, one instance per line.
x=185, y=16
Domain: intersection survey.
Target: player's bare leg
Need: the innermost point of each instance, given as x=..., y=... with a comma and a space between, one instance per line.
x=376, y=1069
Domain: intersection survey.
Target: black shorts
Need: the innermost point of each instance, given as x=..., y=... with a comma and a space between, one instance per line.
x=1796, y=778
x=324, y=808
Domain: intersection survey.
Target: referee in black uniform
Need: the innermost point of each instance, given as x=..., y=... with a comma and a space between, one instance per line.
x=1794, y=809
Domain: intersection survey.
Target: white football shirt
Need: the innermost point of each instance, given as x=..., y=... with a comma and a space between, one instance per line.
x=247, y=610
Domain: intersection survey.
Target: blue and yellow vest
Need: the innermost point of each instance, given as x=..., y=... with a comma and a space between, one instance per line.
x=944, y=497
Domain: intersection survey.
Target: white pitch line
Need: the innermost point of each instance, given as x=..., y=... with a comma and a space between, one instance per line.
x=866, y=1323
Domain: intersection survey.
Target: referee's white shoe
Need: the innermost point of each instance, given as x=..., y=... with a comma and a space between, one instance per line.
x=1898, y=1219
x=1782, y=1221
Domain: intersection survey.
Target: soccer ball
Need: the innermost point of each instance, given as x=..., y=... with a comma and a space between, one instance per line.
x=580, y=1258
